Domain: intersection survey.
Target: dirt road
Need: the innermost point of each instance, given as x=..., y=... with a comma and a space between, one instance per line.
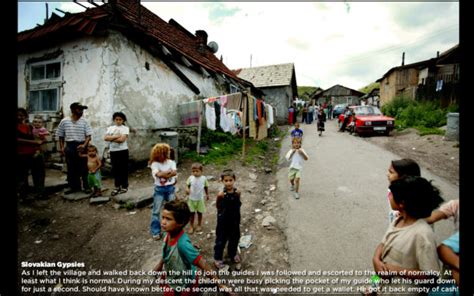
x=341, y=215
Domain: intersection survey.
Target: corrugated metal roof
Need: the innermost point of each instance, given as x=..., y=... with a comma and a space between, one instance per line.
x=267, y=76
x=130, y=17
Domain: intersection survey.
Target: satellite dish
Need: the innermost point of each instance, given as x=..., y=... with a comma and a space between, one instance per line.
x=213, y=46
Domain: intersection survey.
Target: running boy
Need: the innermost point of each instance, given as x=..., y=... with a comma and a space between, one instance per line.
x=228, y=221
x=179, y=257
x=297, y=155
x=196, y=186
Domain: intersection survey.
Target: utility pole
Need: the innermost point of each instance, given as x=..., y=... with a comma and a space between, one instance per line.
x=250, y=60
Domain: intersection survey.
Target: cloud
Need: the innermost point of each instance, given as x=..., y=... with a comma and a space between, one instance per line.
x=298, y=44
x=219, y=11
x=327, y=43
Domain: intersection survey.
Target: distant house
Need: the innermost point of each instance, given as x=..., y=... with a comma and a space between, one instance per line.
x=278, y=83
x=443, y=81
x=403, y=80
x=118, y=57
x=372, y=98
x=436, y=78
x=338, y=94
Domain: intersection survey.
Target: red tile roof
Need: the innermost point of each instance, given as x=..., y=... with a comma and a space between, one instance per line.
x=127, y=16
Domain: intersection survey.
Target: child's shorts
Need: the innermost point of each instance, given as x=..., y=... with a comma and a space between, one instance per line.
x=197, y=206
x=294, y=173
x=94, y=180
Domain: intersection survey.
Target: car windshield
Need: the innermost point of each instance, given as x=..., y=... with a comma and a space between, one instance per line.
x=367, y=110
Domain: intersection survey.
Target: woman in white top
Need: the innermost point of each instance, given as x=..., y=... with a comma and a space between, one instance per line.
x=117, y=135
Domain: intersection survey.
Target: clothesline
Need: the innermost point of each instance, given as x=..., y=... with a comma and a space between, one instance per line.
x=232, y=114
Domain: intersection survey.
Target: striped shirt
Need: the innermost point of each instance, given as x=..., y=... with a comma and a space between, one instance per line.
x=73, y=130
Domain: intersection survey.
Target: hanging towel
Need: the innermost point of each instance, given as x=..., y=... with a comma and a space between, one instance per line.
x=210, y=116
x=189, y=112
x=224, y=121
x=262, y=129
x=234, y=101
x=270, y=120
x=252, y=123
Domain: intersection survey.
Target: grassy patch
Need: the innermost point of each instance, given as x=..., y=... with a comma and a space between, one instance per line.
x=226, y=147
x=423, y=131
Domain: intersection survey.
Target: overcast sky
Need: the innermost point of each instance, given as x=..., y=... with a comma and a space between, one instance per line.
x=347, y=43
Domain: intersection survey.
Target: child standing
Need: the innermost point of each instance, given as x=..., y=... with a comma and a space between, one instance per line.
x=38, y=166
x=94, y=178
x=40, y=133
x=228, y=221
x=398, y=169
x=408, y=248
x=163, y=170
x=297, y=132
x=196, y=186
x=117, y=135
x=297, y=156
x=179, y=257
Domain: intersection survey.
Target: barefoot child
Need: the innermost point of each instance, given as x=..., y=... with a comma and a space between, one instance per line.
x=93, y=165
x=297, y=156
x=196, y=186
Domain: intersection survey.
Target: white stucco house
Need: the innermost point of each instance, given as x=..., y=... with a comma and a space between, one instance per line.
x=118, y=57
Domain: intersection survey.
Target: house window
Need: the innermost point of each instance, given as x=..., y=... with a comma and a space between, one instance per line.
x=233, y=89
x=44, y=86
x=44, y=100
x=51, y=71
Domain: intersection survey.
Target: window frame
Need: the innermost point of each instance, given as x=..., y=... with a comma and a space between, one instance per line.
x=44, y=84
x=40, y=90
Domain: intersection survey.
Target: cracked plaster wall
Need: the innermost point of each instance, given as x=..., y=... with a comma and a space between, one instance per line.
x=108, y=74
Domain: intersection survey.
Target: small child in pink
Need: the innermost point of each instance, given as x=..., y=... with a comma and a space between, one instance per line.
x=40, y=133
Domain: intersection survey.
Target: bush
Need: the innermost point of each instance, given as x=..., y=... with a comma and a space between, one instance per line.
x=396, y=106
x=426, y=116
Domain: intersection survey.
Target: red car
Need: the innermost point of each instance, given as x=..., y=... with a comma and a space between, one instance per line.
x=368, y=120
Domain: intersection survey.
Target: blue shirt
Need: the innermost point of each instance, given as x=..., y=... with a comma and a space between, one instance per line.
x=297, y=133
x=453, y=242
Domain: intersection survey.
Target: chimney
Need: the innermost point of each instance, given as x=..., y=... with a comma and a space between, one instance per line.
x=201, y=36
x=403, y=59
x=437, y=54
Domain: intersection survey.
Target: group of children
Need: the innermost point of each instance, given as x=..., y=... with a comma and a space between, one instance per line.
x=170, y=215
x=408, y=249
x=116, y=136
